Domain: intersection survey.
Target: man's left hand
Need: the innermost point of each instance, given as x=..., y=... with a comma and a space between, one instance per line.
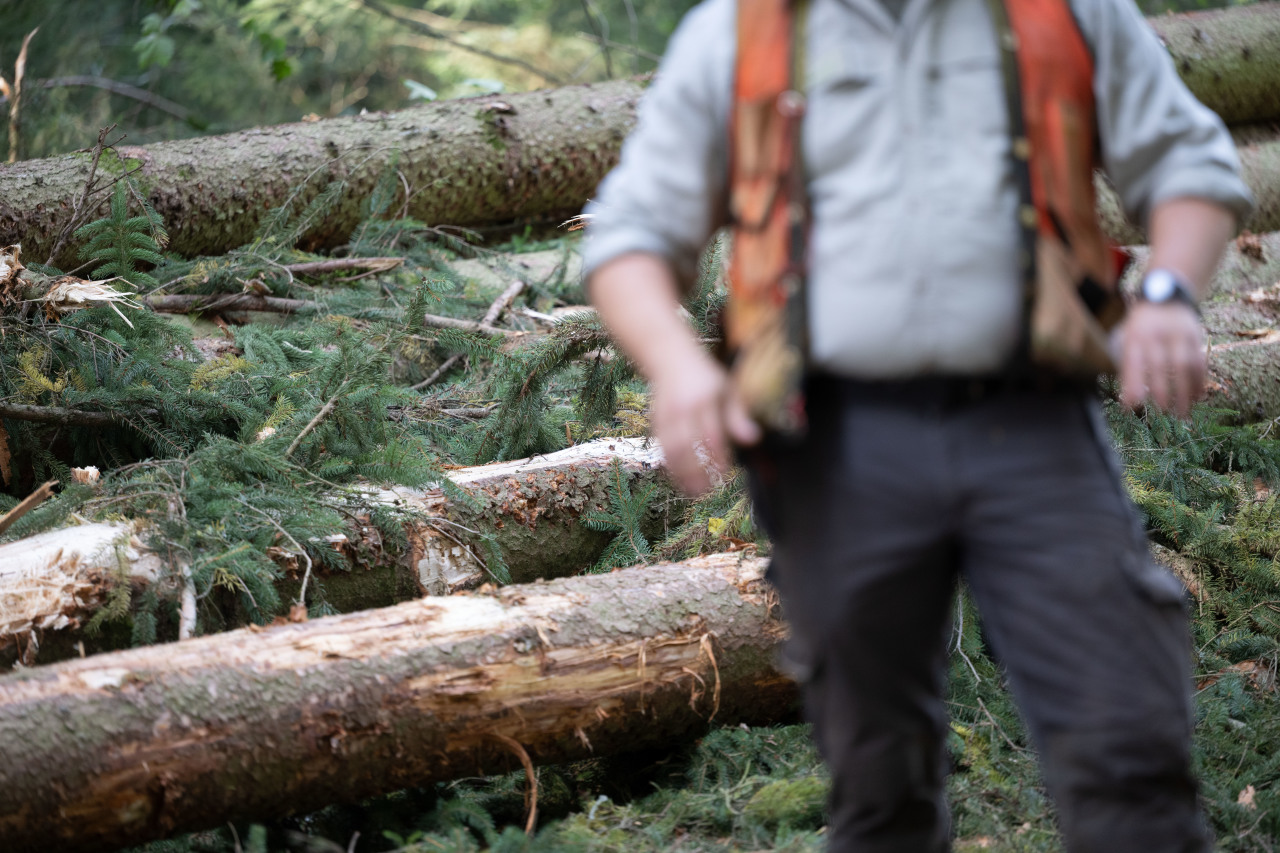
x=1162, y=356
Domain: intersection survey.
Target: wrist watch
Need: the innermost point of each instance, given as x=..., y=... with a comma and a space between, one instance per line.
x=1161, y=285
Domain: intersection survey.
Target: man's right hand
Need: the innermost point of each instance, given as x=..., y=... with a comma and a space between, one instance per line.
x=695, y=403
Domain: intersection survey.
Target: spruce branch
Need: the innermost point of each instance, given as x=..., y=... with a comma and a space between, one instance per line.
x=320, y=415
x=78, y=206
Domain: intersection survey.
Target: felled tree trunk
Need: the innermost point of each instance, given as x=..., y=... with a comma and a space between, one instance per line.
x=494, y=159
x=1260, y=168
x=122, y=748
x=50, y=584
x=470, y=161
x=1229, y=58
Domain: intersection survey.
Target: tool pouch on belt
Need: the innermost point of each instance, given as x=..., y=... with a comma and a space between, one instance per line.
x=1070, y=270
x=764, y=320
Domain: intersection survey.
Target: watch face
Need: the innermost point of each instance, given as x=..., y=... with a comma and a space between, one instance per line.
x=1158, y=286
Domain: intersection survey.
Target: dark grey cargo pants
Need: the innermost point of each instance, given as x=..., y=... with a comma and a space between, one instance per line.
x=900, y=487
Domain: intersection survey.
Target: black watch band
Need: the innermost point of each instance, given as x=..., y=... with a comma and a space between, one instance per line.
x=1161, y=286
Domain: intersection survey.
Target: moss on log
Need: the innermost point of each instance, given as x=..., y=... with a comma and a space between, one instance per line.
x=122, y=748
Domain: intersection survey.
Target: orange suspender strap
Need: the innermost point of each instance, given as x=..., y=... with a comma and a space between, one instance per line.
x=764, y=318
x=1053, y=117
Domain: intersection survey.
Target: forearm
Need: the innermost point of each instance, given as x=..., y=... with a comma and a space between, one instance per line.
x=1188, y=237
x=638, y=299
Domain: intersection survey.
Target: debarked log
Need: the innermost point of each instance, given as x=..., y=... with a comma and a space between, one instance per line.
x=121, y=748
x=524, y=511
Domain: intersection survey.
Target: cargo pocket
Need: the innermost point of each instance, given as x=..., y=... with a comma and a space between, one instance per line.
x=1152, y=581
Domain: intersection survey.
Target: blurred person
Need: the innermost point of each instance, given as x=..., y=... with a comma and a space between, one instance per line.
x=946, y=150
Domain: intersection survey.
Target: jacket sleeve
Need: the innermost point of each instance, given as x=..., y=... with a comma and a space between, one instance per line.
x=667, y=194
x=1158, y=141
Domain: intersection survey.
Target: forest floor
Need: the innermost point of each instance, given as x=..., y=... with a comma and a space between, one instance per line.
x=278, y=406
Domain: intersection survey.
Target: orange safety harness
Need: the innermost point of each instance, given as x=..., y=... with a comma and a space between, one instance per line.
x=1070, y=270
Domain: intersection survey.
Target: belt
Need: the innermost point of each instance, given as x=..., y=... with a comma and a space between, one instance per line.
x=946, y=392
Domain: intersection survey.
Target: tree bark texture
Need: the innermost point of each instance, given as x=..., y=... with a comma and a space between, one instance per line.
x=1229, y=58
x=1241, y=314
x=121, y=748
x=497, y=159
x=469, y=161
x=51, y=583
x=1260, y=169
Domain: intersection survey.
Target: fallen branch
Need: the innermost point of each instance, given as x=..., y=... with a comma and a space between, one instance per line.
x=437, y=373
x=435, y=321
x=27, y=504
x=205, y=304
x=68, y=417
x=119, y=749
x=123, y=89
x=470, y=413
x=501, y=304
x=341, y=264
x=15, y=100
x=431, y=32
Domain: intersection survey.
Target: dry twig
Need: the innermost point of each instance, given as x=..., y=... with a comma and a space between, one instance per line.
x=29, y=503
x=77, y=208
x=437, y=373
x=15, y=102
x=435, y=321
x=531, y=797
x=336, y=264
x=115, y=87
x=502, y=303
x=192, y=303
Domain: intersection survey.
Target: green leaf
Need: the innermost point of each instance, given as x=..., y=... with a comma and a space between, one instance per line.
x=154, y=50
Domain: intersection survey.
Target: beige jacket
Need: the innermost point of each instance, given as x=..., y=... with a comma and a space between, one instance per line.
x=906, y=145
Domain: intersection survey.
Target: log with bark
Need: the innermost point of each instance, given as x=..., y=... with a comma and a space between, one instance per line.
x=468, y=161
x=1229, y=58
x=1260, y=168
x=51, y=583
x=118, y=749
x=497, y=159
